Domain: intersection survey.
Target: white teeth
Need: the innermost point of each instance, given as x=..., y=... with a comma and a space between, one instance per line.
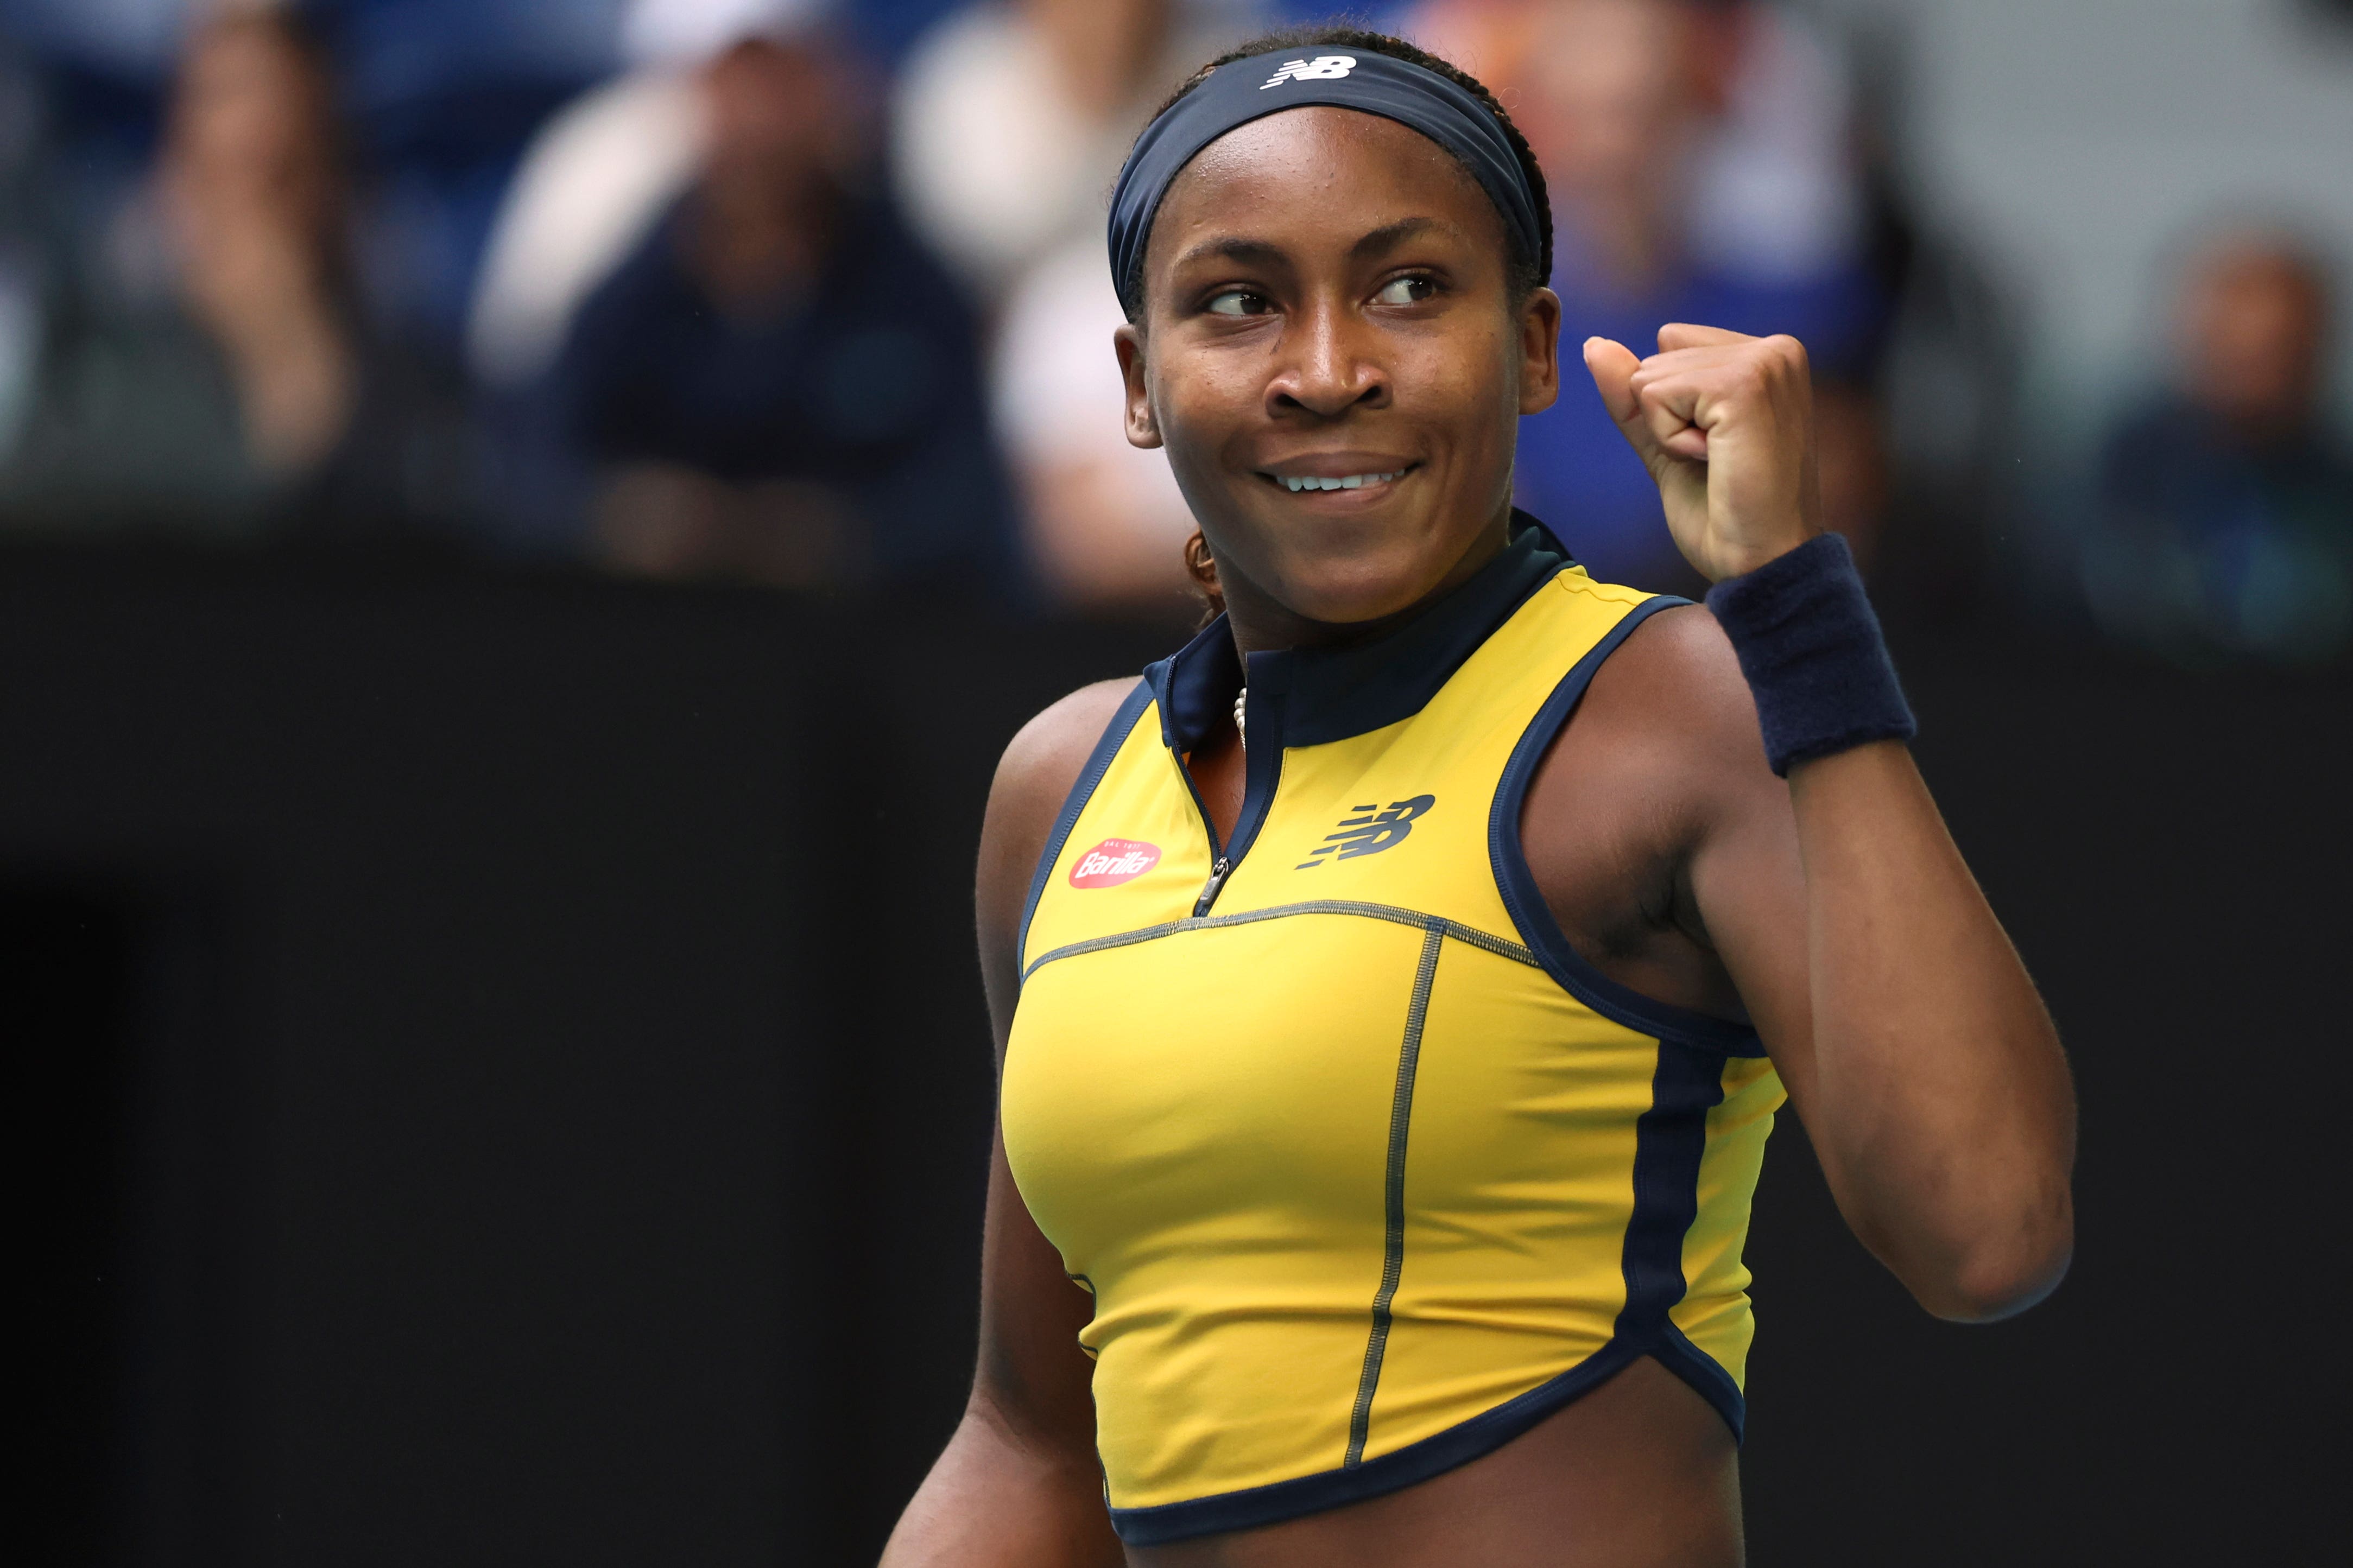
x=1351, y=482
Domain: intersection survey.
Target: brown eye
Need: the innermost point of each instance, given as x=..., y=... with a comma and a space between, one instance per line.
x=1404, y=291
x=1237, y=303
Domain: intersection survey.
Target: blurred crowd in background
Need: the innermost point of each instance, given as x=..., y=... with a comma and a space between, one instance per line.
x=813, y=295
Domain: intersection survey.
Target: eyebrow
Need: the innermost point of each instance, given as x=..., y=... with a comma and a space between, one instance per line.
x=1259, y=252
x=1232, y=247
x=1390, y=234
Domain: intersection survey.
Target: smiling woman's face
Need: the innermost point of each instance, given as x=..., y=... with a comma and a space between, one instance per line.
x=1327, y=302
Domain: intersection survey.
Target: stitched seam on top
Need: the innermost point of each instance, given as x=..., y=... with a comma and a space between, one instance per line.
x=1393, y=1196
x=1390, y=913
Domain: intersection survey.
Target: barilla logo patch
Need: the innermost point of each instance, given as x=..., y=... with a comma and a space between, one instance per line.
x=1322, y=68
x=1113, y=861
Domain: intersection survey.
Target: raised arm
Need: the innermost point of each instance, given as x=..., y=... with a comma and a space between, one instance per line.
x=1018, y=1485
x=1910, y=1036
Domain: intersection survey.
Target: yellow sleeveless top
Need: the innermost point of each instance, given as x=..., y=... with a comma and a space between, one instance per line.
x=1366, y=1170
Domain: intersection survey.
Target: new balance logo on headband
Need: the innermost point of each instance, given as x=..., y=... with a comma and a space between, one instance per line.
x=1322, y=68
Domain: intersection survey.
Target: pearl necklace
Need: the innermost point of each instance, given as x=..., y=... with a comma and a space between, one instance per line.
x=1239, y=698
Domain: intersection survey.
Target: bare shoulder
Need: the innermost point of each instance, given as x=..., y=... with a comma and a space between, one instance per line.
x=1674, y=687
x=1665, y=737
x=1033, y=778
x=1043, y=761
x=1680, y=655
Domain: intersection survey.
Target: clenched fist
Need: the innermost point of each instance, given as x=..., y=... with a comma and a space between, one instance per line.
x=1725, y=425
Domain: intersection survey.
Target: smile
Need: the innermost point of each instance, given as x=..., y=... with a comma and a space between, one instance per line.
x=1347, y=482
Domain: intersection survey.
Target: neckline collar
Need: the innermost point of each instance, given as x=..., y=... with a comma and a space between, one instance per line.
x=1330, y=694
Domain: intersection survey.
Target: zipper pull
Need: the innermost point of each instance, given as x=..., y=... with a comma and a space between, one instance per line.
x=1218, y=874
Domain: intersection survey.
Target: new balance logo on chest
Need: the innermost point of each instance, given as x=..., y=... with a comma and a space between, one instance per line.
x=1370, y=831
x=1322, y=68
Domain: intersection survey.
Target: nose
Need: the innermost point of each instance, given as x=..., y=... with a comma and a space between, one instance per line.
x=1329, y=364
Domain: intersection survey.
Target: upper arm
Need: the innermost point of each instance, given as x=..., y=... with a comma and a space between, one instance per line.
x=1677, y=683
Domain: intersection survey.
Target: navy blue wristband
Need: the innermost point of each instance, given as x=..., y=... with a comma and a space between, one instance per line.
x=1811, y=648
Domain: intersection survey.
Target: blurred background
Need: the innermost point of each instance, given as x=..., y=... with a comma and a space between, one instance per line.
x=525, y=524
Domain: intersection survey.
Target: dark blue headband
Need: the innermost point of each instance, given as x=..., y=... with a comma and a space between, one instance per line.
x=1256, y=86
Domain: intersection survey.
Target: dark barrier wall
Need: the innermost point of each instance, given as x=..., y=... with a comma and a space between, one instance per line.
x=504, y=1081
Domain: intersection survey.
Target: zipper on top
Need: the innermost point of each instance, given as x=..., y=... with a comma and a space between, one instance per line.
x=1222, y=867
x=1261, y=769
x=1216, y=884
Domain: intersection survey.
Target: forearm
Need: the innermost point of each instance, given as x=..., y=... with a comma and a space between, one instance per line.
x=996, y=1501
x=1938, y=1099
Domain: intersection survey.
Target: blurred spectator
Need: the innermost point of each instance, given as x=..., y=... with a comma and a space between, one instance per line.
x=1011, y=121
x=602, y=172
x=1106, y=523
x=1698, y=158
x=589, y=189
x=2226, y=507
x=779, y=385
x=438, y=98
x=203, y=362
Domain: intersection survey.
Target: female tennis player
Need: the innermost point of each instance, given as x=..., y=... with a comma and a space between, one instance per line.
x=1395, y=988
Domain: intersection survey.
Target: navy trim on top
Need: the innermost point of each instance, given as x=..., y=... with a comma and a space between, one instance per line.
x=1107, y=746
x=1343, y=691
x=1185, y=684
x=1269, y=719
x=1196, y=686
x=1670, y=1139
x=1674, y=1352
x=1416, y=1462
x=1525, y=900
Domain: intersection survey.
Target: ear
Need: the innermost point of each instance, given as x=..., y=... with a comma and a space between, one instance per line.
x=1539, y=351
x=1143, y=423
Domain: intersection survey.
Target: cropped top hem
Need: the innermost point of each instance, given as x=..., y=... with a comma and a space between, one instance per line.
x=1433, y=1456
